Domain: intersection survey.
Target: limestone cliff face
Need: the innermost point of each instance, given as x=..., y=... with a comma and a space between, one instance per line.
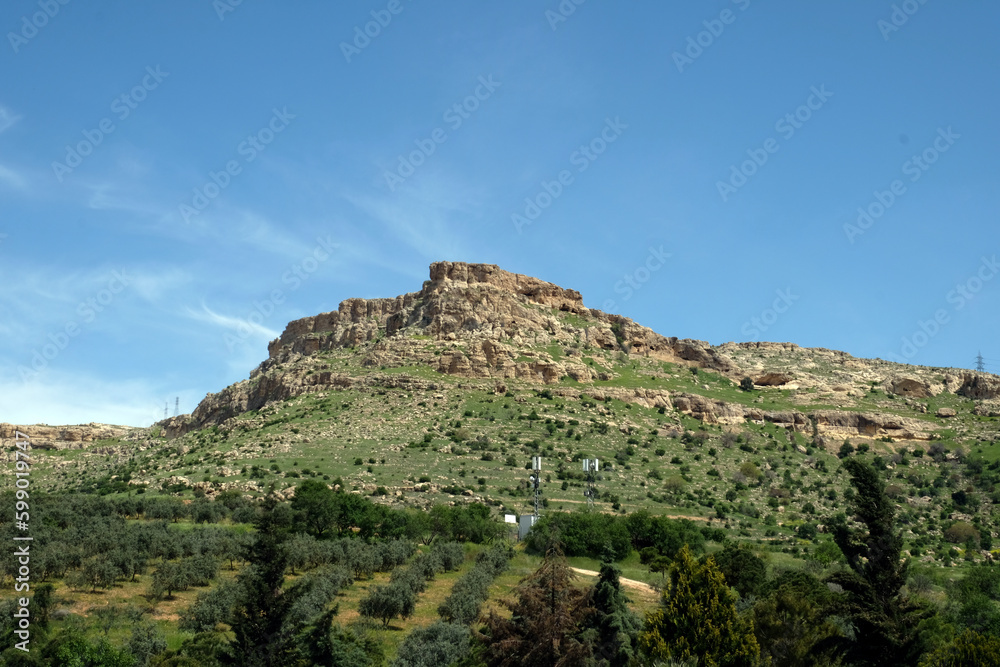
x=479, y=321
x=468, y=320
x=43, y=436
x=833, y=423
x=495, y=317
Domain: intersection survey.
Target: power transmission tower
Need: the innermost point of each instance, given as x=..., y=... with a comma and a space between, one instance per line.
x=177, y=405
x=165, y=404
x=980, y=364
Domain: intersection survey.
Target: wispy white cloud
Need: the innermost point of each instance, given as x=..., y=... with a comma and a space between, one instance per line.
x=12, y=179
x=41, y=299
x=425, y=215
x=154, y=286
x=7, y=118
x=67, y=398
x=238, y=325
x=246, y=341
x=253, y=229
x=33, y=288
x=113, y=196
x=221, y=224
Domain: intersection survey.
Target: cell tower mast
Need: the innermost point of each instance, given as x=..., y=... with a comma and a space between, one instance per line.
x=591, y=466
x=536, y=479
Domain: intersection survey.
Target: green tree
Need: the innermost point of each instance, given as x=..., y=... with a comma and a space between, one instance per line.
x=41, y=605
x=885, y=620
x=316, y=507
x=662, y=565
x=71, y=649
x=169, y=508
x=354, y=511
x=746, y=384
x=210, y=608
x=202, y=650
x=792, y=622
x=468, y=594
x=170, y=577
x=969, y=649
x=97, y=572
x=974, y=600
x=261, y=636
x=437, y=644
x=665, y=534
x=743, y=569
x=145, y=642
x=334, y=646
x=387, y=602
x=615, y=626
x=108, y=617
x=15, y=657
x=697, y=618
x=583, y=533
x=544, y=625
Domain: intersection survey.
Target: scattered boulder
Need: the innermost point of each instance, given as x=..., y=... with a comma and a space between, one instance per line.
x=773, y=379
x=945, y=413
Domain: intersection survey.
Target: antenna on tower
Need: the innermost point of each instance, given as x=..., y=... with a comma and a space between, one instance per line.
x=591, y=466
x=177, y=405
x=980, y=364
x=536, y=479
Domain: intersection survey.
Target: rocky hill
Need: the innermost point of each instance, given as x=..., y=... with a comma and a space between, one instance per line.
x=443, y=395
x=479, y=322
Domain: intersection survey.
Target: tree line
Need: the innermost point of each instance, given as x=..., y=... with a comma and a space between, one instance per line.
x=870, y=608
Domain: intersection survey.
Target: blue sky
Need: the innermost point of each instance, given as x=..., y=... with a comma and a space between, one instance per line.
x=180, y=179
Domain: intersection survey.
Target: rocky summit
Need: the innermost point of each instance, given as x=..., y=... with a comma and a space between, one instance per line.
x=478, y=321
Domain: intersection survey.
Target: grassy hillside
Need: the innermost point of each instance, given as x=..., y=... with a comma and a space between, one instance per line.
x=459, y=440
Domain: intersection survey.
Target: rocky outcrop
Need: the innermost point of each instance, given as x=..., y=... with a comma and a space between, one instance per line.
x=980, y=386
x=43, y=436
x=773, y=379
x=835, y=424
x=784, y=418
x=909, y=387
x=987, y=409
x=488, y=320
x=870, y=424
x=709, y=410
x=647, y=398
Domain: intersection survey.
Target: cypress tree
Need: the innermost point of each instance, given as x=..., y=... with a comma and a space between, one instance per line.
x=545, y=622
x=697, y=618
x=885, y=620
x=616, y=626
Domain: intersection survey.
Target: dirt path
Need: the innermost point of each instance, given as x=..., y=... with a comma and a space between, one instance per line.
x=630, y=583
